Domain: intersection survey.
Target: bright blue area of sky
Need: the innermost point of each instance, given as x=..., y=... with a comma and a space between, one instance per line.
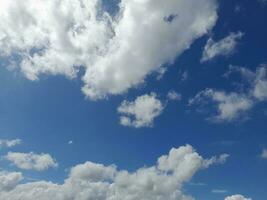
x=46, y=114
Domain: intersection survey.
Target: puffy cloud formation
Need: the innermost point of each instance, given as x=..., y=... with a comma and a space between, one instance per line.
x=223, y=47
x=264, y=154
x=9, y=143
x=237, y=197
x=233, y=105
x=141, y=112
x=116, y=52
x=91, y=181
x=31, y=160
x=9, y=180
x=229, y=106
x=174, y=96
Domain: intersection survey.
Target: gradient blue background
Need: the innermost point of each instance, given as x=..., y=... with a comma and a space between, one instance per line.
x=46, y=114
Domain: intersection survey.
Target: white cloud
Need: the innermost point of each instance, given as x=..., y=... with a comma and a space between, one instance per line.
x=9, y=143
x=237, y=197
x=223, y=47
x=31, y=160
x=70, y=142
x=216, y=160
x=184, y=76
x=264, y=154
x=174, y=96
x=91, y=181
x=257, y=80
x=116, y=52
x=8, y=180
x=219, y=191
x=141, y=112
x=233, y=105
x=229, y=106
x=259, y=90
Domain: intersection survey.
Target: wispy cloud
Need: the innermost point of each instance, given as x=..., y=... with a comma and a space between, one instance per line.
x=223, y=47
x=9, y=143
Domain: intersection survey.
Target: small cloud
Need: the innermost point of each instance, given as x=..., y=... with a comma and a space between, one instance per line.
x=31, y=161
x=237, y=197
x=161, y=72
x=223, y=47
x=9, y=143
x=233, y=106
x=174, y=96
x=141, y=112
x=238, y=8
x=216, y=160
x=183, y=75
x=264, y=154
x=197, y=184
x=70, y=142
x=219, y=191
x=229, y=106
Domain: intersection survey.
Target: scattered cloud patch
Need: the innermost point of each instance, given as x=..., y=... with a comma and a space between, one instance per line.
x=174, y=96
x=141, y=112
x=9, y=143
x=216, y=160
x=264, y=154
x=197, y=184
x=219, y=191
x=117, y=52
x=237, y=197
x=223, y=47
x=70, y=142
x=92, y=181
x=231, y=106
x=31, y=161
x=183, y=75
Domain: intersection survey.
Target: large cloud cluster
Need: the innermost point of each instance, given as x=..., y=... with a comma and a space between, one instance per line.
x=117, y=52
x=91, y=181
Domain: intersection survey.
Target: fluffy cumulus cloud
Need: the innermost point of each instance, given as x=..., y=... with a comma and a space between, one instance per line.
x=9, y=180
x=229, y=106
x=117, y=51
x=223, y=47
x=237, y=197
x=31, y=161
x=233, y=105
x=92, y=181
x=141, y=112
x=9, y=143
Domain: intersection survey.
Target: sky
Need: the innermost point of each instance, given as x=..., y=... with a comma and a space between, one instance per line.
x=133, y=100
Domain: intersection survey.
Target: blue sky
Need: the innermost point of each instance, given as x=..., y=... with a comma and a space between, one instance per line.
x=47, y=113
